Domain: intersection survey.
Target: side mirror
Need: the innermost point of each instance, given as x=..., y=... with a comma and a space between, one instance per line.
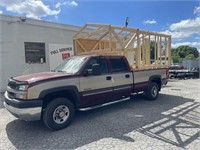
x=96, y=69
x=88, y=72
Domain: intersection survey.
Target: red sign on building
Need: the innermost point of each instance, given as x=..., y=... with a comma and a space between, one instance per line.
x=65, y=55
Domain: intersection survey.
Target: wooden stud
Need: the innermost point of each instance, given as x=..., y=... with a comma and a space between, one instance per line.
x=169, y=51
x=138, y=52
x=143, y=51
x=165, y=50
x=110, y=39
x=155, y=51
x=160, y=50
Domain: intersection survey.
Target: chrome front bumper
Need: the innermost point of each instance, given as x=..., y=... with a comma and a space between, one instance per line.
x=28, y=114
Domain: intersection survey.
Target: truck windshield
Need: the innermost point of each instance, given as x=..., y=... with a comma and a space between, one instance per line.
x=71, y=65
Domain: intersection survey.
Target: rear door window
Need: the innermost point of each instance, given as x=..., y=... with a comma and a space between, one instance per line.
x=119, y=65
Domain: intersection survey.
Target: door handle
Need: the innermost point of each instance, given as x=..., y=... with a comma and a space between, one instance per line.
x=108, y=78
x=127, y=76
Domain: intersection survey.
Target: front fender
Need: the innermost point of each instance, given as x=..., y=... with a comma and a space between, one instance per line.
x=72, y=89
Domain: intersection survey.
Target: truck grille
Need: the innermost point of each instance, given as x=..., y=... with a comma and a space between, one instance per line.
x=11, y=95
x=13, y=85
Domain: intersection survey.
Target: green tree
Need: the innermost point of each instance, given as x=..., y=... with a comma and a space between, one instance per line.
x=184, y=52
x=181, y=54
x=175, y=59
x=190, y=56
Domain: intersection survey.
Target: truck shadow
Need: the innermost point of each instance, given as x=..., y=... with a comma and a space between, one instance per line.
x=165, y=120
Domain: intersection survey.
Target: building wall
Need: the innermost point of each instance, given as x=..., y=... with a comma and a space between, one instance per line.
x=191, y=64
x=13, y=34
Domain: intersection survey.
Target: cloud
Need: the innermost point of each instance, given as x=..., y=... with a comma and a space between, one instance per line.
x=189, y=25
x=185, y=28
x=1, y=12
x=177, y=34
x=192, y=44
x=73, y=3
x=150, y=22
x=69, y=3
x=197, y=10
x=9, y=2
x=31, y=8
x=58, y=5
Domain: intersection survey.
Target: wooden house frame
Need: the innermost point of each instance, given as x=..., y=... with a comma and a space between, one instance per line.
x=143, y=49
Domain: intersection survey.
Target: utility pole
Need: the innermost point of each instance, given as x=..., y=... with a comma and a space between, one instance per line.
x=127, y=20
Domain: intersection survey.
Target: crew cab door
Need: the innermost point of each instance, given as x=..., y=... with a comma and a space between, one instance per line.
x=122, y=76
x=95, y=89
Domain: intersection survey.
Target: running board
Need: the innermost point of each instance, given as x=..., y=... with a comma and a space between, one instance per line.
x=105, y=104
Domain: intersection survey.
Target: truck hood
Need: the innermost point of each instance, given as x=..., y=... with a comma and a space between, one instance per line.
x=31, y=78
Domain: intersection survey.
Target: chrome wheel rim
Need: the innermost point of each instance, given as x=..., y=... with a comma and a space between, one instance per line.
x=154, y=91
x=61, y=114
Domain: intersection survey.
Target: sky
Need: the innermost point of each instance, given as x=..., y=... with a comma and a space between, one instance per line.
x=181, y=19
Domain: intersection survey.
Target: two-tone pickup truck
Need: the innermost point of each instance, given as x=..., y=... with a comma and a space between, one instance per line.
x=79, y=83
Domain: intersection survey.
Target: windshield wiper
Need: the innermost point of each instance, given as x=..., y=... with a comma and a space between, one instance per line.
x=60, y=71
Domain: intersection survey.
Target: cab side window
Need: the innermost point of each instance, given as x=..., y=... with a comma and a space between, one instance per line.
x=118, y=65
x=101, y=62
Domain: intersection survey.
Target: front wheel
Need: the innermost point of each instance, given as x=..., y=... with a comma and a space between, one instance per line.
x=58, y=113
x=152, y=91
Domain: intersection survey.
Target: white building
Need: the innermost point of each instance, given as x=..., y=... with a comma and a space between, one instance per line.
x=30, y=46
x=191, y=64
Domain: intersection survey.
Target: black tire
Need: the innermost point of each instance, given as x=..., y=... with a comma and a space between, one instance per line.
x=58, y=113
x=152, y=91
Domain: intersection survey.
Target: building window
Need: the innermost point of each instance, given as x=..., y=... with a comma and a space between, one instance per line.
x=35, y=52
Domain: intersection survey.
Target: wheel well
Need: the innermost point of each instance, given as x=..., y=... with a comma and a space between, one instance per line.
x=63, y=93
x=157, y=81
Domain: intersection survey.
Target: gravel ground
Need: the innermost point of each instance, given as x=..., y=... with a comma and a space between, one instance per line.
x=172, y=122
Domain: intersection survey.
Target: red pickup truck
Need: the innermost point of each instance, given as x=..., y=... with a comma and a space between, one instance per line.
x=79, y=83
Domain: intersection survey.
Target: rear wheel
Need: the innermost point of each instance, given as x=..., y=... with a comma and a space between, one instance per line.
x=58, y=113
x=152, y=91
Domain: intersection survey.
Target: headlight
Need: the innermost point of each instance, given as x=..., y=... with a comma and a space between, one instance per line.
x=22, y=88
x=21, y=96
x=21, y=92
